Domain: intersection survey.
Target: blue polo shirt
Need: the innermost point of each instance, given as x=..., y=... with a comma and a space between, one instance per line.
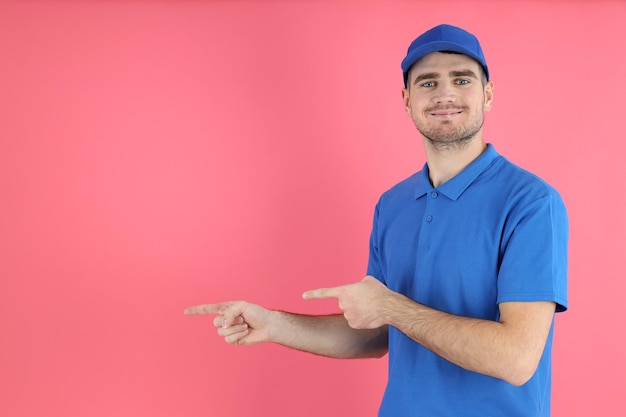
x=493, y=233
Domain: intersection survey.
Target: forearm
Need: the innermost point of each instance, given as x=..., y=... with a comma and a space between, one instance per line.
x=329, y=336
x=497, y=349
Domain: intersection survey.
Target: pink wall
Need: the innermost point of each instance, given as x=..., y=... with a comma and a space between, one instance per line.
x=157, y=154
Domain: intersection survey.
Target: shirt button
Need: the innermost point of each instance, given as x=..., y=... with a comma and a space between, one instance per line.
x=429, y=218
x=434, y=194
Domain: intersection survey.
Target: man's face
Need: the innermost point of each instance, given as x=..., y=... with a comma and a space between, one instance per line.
x=446, y=99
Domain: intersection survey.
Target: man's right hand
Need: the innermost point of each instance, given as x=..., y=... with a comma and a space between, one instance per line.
x=239, y=322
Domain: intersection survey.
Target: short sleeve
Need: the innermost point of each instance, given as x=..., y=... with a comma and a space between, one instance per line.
x=534, y=253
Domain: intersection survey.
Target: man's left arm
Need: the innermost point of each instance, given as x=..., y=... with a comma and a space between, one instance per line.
x=509, y=349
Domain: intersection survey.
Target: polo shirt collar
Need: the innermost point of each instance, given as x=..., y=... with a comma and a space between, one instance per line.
x=454, y=187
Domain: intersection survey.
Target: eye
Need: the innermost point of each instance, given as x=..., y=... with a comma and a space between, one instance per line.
x=428, y=84
x=462, y=81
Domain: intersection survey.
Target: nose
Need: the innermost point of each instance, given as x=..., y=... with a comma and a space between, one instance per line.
x=445, y=93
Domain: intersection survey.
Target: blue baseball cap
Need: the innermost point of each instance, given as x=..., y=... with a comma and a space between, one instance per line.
x=443, y=38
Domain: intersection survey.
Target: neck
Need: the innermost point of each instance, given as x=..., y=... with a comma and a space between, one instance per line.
x=444, y=163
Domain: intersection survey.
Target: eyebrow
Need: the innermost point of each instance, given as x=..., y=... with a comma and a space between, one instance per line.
x=459, y=73
x=464, y=73
x=426, y=76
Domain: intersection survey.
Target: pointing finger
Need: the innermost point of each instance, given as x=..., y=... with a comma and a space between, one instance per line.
x=322, y=293
x=206, y=309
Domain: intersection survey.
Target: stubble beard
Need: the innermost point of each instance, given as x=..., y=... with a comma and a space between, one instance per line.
x=445, y=139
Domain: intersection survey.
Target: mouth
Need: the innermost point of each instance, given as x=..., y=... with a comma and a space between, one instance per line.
x=445, y=114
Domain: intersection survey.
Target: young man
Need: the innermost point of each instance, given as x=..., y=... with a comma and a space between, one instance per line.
x=468, y=263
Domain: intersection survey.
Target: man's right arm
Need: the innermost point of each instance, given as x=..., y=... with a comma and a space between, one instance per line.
x=243, y=323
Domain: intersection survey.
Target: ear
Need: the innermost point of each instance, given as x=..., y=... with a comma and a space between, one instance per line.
x=406, y=99
x=488, y=95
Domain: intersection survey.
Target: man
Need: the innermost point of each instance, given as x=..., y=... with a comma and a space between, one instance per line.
x=467, y=266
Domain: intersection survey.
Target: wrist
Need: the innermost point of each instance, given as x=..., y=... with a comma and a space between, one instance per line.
x=395, y=309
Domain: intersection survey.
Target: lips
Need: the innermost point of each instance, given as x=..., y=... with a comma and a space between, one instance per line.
x=445, y=112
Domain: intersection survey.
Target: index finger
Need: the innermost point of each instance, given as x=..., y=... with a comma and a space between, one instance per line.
x=206, y=309
x=332, y=292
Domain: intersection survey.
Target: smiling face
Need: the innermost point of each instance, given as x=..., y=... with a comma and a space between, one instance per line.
x=447, y=99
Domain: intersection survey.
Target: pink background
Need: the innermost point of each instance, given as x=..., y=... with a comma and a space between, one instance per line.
x=159, y=154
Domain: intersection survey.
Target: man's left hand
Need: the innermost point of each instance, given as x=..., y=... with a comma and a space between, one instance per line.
x=362, y=303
